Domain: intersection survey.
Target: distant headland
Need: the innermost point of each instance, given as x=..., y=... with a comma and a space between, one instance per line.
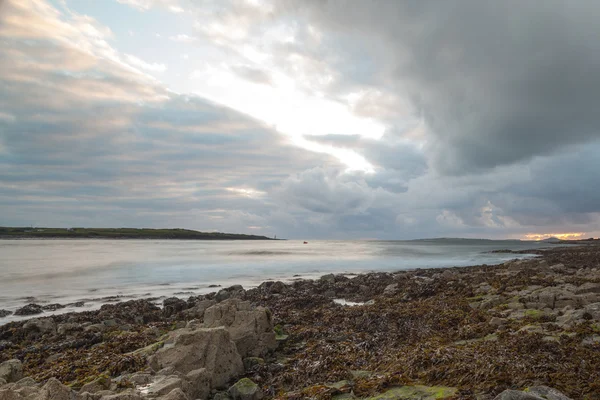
x=119, y=233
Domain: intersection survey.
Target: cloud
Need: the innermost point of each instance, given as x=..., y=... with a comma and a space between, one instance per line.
x=496, y=83
x=252, y=74
x=151, y=67
x=182, y=38
x=144, y=5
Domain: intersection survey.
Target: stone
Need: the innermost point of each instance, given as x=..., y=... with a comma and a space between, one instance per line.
x=390, y=290
x=125, y=395
x=101, y=383
x=165, y=385
x=3, y=381
x=588, y=287
x=95, y=328
x=330, y=278
x=42, y=325
x=5, y=313
x=245, y=389
x=547, y=393
x=186, y=350
x=54, y=390
x=52, y=307
x=27, y=381
x=198, y=310
x=495, y=321
x=250, y=362
x=176, y=394
x=11, y=370
x=517, y=395
x=173, y=305
x=30, y=309
x=69, y=327
x=221, y=396
x=199, y=383
x=222, y=295
x=251, y=328
x=416, y=392
x=533, y=393
x=140, y=378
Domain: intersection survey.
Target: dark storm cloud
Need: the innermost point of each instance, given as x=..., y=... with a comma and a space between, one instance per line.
x=496, y=82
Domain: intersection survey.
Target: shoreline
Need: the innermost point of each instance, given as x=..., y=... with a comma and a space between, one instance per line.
x=478, y=329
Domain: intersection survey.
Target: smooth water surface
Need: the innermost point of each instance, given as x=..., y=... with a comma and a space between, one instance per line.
x=66, y=271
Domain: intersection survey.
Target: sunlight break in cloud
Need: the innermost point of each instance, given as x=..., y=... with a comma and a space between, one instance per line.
x=151, y=67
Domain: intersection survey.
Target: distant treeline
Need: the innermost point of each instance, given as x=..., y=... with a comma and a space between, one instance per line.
x=121, y=233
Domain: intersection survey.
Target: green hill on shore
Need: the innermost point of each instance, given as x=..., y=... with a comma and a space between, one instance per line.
x=120, y=233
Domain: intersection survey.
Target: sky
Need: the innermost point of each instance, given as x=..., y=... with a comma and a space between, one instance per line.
x=316, y=119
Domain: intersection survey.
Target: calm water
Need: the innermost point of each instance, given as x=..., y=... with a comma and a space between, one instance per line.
x=64, y=271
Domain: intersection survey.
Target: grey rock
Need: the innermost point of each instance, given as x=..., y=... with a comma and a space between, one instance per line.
x=245, y=389
x=5, y=313
x=11, y=370
x=200, y=383
x=164, y=386
x=328, y=278
x=125, y=395
x=27, y=381
x=198, y=310
x=251, y=328
x=69, y=327
x=176, y=394
x=222, y=295
x=390, y=290
x=173, y=305
x=186, y=350
x=516, y=395
x=547, y=393
x=42, y=325
x=101, y=383
x=140, y=378
x=54, y=390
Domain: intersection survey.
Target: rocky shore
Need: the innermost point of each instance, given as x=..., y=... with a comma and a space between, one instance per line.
x=527, y=329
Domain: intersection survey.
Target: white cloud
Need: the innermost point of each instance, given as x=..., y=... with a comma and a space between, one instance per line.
x=151, y=67
x=183, y=38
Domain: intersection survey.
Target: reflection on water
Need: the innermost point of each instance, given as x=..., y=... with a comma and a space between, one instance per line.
x=97, y=271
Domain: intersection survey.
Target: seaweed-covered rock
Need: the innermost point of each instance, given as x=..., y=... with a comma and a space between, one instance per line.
x=42, y=325
x=30, y=309
x=11, y=370
x=251, y=328
x=245, y=389
x=5, y=313
x=187, y=350
x=172, y=306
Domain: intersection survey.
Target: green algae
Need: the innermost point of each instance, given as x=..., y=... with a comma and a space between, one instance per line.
x=416, y=392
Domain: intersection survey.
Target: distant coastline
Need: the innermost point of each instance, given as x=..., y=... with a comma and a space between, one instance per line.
x=120, y=233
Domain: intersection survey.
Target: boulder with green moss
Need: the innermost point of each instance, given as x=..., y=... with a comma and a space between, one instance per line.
x=245, y=389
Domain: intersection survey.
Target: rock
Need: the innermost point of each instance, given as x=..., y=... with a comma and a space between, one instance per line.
x=221, y=396
x=533, y=393
x=588, y=287
x=172, y=306
x=197, y=311
x=3, y=381
x=271, y=287
x=27, y=381
x=125, y=395
x=495, y=321
x=558, y=267
x=250, y=362
x=200, y=383
x=187, y=350
x=547, y=393
x=101, y=383
x=30, y=309
x=222, y=294
x=95, y=328
x=42, y=325
x=417, y=392
x=140, y=378
x=11, y=370
x=54, y=390
x=330, y=278
x=5, y=313
x=164, y=386
x=390, y=290
x=69, y=327
x=52, y=307
x=176, y=394
x=251, y=329
x=245, y=389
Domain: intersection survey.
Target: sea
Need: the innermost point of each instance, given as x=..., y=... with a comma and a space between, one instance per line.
x=99, y=271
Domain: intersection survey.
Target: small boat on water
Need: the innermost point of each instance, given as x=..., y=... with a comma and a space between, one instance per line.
x=305, y=242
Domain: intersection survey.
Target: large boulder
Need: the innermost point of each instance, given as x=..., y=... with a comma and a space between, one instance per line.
x=11, y=371
x=54, y=390
x=251, y=328
x=173, y=305
x=186, y=350
x=197, y=311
